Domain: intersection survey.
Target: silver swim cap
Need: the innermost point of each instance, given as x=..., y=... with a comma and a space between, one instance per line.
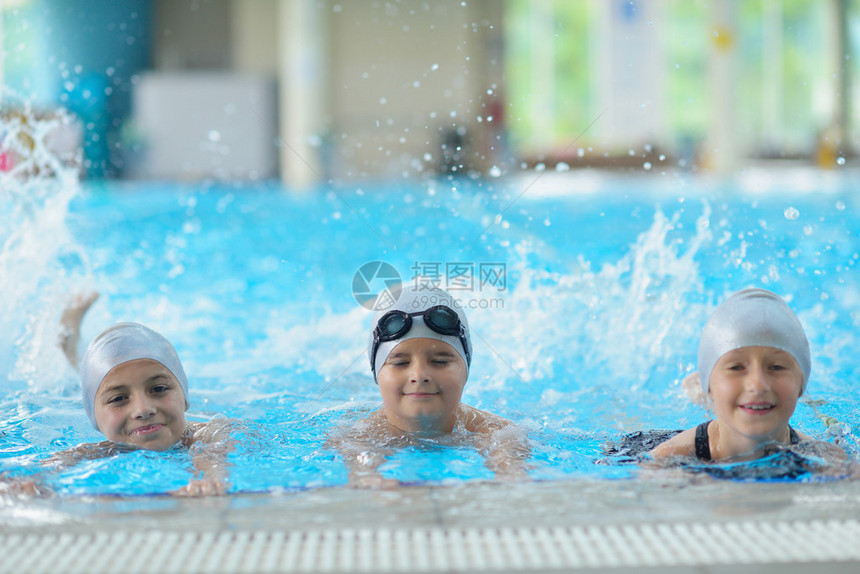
x=752, y=318
x=120, y=344
x=416, y=300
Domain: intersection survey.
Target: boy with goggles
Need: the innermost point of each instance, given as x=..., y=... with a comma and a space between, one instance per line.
x=420, y=352
x=394, y=325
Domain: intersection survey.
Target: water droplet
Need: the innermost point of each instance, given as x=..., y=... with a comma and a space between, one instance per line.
x=791, y=213
x=562, y=166
x=495, y=171
x=840, y=205
x=646, y=166
x=840, y=161
x=434, y=67
x=214, y=135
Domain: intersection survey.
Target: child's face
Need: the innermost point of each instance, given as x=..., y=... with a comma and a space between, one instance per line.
x=141, y=403
x=421, y=383
x=754, y=391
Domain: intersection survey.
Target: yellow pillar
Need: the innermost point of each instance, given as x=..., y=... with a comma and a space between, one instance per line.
x=833, y=141
x=722, y=147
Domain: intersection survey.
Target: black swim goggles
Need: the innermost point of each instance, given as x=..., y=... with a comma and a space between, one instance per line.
x=395, y=324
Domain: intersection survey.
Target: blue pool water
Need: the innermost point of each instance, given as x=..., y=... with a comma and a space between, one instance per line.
x=607, y=282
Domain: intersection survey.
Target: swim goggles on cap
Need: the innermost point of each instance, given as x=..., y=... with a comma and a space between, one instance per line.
x=394, y=324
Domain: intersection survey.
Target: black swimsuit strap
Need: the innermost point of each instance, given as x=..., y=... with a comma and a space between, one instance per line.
x=703, y=445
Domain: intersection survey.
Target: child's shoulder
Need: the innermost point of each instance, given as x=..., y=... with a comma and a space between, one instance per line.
x=216, y=430
x=682, y=444
x=476, y=420
x=87, y=451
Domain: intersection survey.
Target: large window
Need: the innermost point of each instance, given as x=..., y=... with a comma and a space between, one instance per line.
x=548, y=73
x=783, y=61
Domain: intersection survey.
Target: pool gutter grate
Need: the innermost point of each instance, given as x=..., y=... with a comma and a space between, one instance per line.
x=657, y=546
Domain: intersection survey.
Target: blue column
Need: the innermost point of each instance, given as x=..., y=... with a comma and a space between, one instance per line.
x=82, y=55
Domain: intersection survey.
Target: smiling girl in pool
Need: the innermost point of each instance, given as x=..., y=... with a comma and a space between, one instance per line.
x=754, y=364
x=135, y=392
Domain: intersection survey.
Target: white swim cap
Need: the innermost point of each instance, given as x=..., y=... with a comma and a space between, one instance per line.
x=752, y=318
x=120, y=344
x=416, y=300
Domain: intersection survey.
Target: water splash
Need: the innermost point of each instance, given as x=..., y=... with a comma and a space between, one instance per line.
x=575, y=339
x=622, y=320
x=38, y=257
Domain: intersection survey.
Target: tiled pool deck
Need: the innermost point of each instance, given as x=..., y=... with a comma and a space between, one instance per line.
x=577, y=525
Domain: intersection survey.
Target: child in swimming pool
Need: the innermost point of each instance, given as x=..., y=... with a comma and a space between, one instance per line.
x=420, y=352
x=754, y=364
x=135, y=392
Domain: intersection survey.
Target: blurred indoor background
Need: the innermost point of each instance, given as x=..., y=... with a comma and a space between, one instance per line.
x=316, y=91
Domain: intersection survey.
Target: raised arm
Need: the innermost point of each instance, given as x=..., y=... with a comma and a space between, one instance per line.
x=70, y=323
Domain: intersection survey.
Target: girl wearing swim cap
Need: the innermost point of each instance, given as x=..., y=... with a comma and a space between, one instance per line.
x=134, y=387
x=754, y=364
x=135, y=392
x=420, y=351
